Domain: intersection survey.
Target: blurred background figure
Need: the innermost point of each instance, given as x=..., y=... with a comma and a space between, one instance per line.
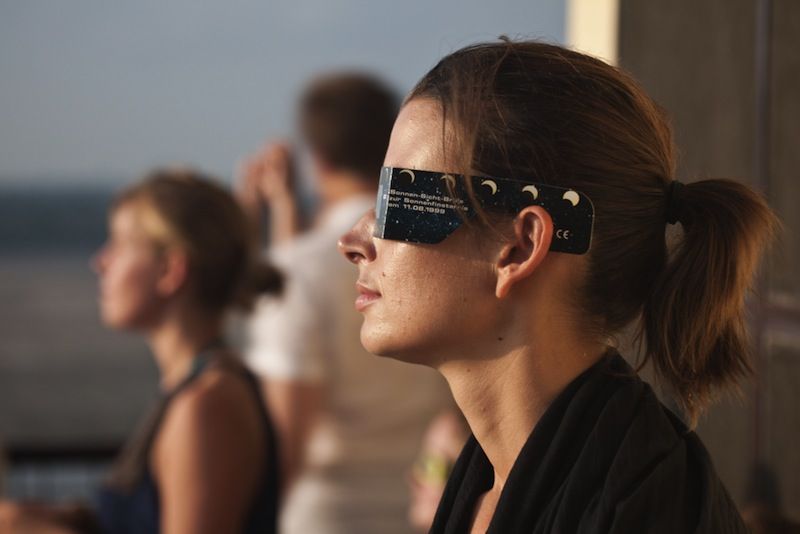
x=349, y=422
x=762, y=510
x=178, y=257
x=441, y=445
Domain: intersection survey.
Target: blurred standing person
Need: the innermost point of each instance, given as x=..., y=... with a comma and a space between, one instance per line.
x=762, y=510
x=439, y=450
x=179, y=257
x=350, y=423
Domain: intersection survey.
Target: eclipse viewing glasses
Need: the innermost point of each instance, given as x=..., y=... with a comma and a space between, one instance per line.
x=425, y=207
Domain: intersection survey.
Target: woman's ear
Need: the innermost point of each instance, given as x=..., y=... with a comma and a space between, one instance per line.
x=174, y=272
x=525, y=250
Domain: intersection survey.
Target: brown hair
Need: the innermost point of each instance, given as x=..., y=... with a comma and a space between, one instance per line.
x=184, y=208
x=540, y=112
x=347, y=119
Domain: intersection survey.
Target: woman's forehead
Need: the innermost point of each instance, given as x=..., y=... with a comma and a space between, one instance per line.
x=124, y=218
x=417, y=137
x=134, y=221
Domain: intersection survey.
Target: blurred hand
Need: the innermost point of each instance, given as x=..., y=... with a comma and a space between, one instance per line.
x=9, y=515
x=277, y=181
x=441, y=446
x=424, y=500
x=16, y=518
x=268, y=176
x=267, y=180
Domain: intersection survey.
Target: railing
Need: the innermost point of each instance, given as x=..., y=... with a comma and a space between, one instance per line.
x=55, y=474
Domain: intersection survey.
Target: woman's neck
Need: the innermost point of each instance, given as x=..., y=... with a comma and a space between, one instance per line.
x=504, y=391
x=177, y=341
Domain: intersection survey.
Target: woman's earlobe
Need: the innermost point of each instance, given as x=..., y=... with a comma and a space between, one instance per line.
x=98, y=260
x=504, y=270
x=527, y=248
x=174, y=274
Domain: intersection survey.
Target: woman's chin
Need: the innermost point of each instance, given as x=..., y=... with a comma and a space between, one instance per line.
x=378, y=345
x=115, y=320
x=112, y=322
x=387, y=347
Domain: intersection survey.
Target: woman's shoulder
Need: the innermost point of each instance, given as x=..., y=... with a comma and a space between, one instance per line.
x=221, y=392
x=640, y=462
x=212, y=421
x=219, y=402
x=661, y=469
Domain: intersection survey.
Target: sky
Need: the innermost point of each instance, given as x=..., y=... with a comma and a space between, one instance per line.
x=99, y=92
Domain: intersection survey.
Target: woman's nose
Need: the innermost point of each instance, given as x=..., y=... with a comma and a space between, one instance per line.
x=97, y=261
x=357, y=245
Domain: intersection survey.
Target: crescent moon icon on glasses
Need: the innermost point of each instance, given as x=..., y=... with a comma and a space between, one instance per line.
x=410, y=173
x=449, y=179
x=532, y=190
x=572, y=196
x=492, y=185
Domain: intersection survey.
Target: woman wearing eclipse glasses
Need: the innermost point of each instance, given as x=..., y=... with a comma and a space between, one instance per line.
x=520, y=228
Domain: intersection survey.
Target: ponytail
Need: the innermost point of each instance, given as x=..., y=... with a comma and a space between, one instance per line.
x=261, y=279
x=693, y=321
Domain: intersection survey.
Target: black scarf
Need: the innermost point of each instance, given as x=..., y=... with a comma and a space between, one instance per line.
x=606, y=457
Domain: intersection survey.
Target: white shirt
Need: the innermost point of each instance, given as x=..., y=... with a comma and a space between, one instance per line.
x=374, y=410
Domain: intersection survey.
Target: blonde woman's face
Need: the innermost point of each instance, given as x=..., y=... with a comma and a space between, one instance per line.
x=128, y=267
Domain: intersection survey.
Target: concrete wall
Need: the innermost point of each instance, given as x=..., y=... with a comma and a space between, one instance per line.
x=696, y=58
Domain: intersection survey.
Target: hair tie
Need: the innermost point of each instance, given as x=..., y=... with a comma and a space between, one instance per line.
x=675, y=202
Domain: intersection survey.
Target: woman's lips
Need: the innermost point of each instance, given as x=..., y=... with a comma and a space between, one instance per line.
x=366, y=296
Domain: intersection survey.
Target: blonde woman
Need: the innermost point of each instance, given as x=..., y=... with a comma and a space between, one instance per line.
x=178, y=257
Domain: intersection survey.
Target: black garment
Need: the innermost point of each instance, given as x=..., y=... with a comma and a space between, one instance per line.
x=137, y=510
x=606, y=456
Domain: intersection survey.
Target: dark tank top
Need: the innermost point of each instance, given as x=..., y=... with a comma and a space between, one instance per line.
x=137, y=511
